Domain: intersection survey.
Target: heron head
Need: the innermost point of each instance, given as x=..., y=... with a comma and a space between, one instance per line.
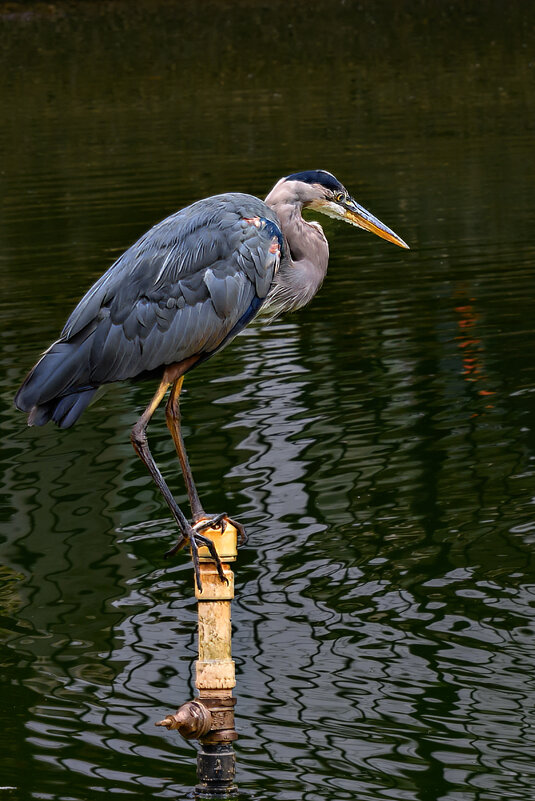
x=321, y=191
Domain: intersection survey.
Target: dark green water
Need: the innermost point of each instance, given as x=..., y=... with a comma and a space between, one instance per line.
x=379, y=446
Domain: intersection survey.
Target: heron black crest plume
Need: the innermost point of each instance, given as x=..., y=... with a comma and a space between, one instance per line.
x=320, y=177
x=180, y=294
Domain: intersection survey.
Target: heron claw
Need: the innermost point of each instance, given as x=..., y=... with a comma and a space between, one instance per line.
x=220, y=521
x=179, y=544
x=215, y=522
x=197, y=540
x=242, y=535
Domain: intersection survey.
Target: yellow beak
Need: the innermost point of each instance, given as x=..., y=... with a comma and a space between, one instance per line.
x=357, y=215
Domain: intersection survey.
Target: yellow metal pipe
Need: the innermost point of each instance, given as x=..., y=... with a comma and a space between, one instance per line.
x=215, y=667
x=210, y=717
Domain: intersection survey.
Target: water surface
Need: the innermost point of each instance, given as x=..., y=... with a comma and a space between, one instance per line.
x=379, y=446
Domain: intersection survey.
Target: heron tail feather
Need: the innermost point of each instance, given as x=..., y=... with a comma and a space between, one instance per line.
x=63, y=411
x=57, y=388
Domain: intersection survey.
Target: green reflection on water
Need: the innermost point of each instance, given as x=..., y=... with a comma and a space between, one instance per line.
x=379, y=445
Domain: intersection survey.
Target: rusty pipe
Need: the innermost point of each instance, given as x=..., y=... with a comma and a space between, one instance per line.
x=192, y=720
x=210, y=717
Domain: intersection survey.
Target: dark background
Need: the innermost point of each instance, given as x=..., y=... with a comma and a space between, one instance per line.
x=379, y=446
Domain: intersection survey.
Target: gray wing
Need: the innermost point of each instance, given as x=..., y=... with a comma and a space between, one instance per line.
x=185, y=288
x=181, y=290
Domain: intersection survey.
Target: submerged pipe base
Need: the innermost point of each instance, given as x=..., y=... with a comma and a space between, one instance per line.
x=216, y=768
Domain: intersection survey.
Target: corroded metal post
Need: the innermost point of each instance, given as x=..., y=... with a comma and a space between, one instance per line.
x=210, y=717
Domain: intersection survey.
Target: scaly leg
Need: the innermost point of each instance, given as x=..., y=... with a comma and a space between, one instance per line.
x=172, y=414
x=188, y=533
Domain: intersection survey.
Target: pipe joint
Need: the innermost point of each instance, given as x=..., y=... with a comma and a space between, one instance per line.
x=192, y=720
x=222, y=714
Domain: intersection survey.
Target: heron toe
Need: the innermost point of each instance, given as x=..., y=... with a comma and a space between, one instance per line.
x=220, y=521
x=197, y=540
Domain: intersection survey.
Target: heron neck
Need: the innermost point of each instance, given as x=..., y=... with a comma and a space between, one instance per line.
x=306, y=240
x=302, y=272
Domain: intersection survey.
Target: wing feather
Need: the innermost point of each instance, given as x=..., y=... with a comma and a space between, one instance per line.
x=185, y=288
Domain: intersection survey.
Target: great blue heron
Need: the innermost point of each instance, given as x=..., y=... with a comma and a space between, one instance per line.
x=180, y=294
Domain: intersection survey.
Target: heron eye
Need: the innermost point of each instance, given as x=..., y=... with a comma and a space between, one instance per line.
x=340, y=197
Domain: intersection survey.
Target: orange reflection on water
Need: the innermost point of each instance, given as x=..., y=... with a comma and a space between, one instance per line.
x=470, y=344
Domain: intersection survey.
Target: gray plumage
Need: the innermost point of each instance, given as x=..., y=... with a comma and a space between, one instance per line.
x=178, y=295
x=180, y=290
x=187, y=287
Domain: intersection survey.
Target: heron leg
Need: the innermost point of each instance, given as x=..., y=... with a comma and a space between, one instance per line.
x=188, y=533
x=172, y=416
x=200, y=519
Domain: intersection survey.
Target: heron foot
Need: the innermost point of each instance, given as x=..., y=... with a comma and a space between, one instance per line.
x=220, y=521
x=197, y=540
